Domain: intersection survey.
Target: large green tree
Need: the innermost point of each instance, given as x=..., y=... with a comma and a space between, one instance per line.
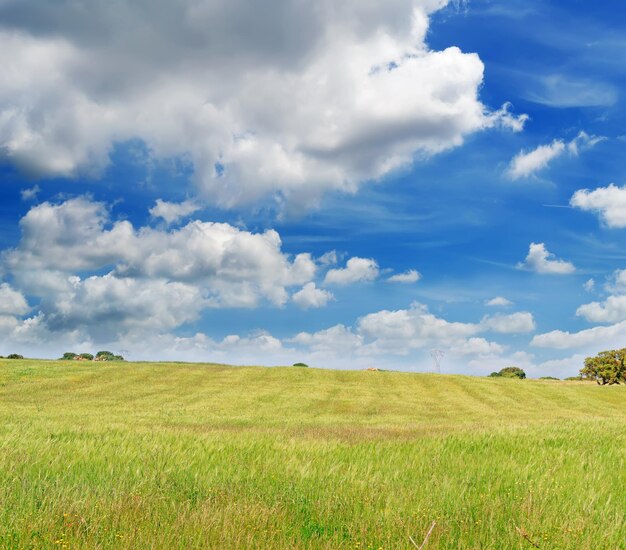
x=606, y=368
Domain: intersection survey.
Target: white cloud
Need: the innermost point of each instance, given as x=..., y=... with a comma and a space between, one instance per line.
x=309, y=296
x=514, y=323
x=609, y=203
x=617, y=281
x=401, y=330
x=411, y=276
x=105, y=308
x=526, y=163
x=334, y=341
x=172, y=212
x=329, y=258
x=394, y=337
x=12, y=302
x=498, y=301
x=602, y=337
x=589, y=285
x=542, y=261
x=234, y=268
x=356, y=270
x=30, y=193
x=477, y=346
x=613, y=309
x=285, y=103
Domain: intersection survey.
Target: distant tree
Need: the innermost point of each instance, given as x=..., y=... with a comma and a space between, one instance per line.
x=68, y=356
x=512, y=372
x=86, y=356
x=606, y=368
x=108, y=356
x=300, y=365
x=15, y=356
x=548, y=378
x=509, y=372
x=573, y=378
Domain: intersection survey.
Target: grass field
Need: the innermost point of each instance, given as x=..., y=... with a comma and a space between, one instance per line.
x=160, y=455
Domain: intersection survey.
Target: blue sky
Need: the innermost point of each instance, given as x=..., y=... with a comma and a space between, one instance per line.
x=171, y=189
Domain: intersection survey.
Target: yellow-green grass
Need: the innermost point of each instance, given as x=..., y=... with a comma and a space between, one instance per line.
x=162, y=455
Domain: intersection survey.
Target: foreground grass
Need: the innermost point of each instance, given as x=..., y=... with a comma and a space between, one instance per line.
x=206, y=456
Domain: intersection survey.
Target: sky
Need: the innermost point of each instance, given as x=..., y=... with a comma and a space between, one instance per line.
x=347, y=184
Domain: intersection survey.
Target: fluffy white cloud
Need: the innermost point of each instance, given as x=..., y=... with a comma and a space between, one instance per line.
x=597, y=337
x=309, y=296
x=356, y=270
x=411, y=276
x=608, y=202
x=401, y=330
x=288, y=102
x=172, y=212
x=514, y=323
x=498, y=301
x=613, y=309
x=105, y=308
x=542, y=261
x=12, y=302
x=233, y=267
x=393, y=337
x=527, y=163
x=477, y=346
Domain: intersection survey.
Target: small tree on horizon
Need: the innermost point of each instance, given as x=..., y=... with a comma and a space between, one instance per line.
x=606, y=368
x=509, y=372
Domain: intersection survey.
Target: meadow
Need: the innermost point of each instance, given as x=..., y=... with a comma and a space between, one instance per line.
x=179, y=456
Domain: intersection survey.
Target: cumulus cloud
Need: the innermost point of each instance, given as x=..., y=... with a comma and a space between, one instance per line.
x=400, y=334
x=172, y=212
x=498, y=301
x=477, y=346
x=542, y=261
x=613, y=309
x=309, y=296
x=514, y=323
x=411, y=276
x=12, y=302
x=357, y=270
x=236, y=268
x=609, y=203
x=602, y=337
x=526, y=163
x=285, y=103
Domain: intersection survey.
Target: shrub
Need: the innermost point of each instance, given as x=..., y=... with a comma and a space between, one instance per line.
x=86, y=356
x=548, y=378
x=573, y=378
x=300, y=365
x=68, y=356
x=15, y=356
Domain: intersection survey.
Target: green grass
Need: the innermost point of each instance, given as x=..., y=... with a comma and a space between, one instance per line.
x=141, y=455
